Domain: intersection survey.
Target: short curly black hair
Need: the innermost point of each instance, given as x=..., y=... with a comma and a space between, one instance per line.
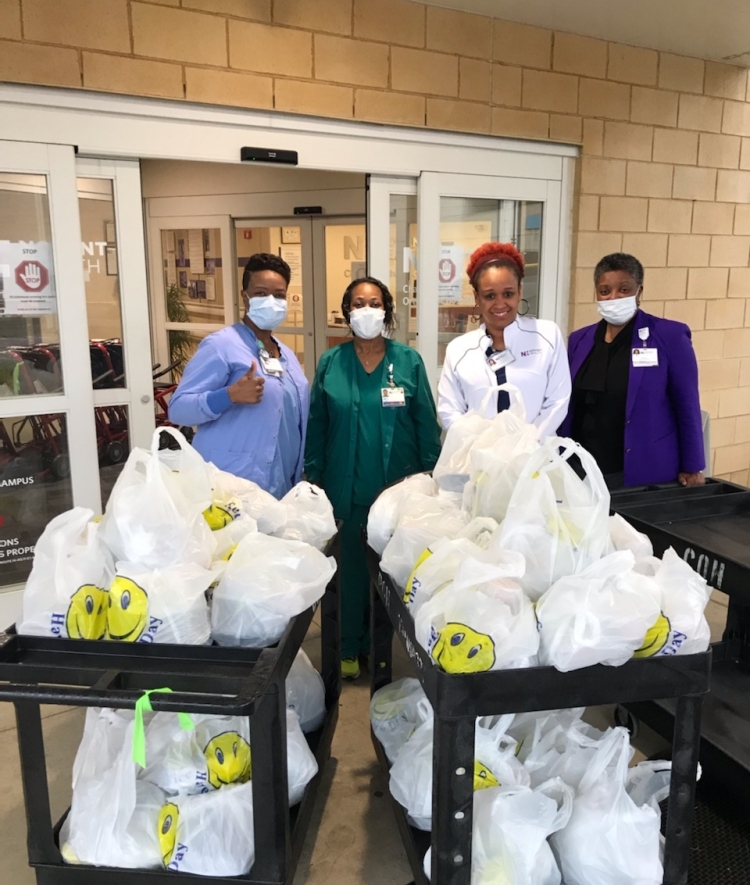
x=620, y=261
x=265, y=261
x=388, y=304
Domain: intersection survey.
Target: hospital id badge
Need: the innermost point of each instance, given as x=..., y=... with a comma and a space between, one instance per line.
x=645, y=356
x=393, y=396
x=499, y=359
x=271, y=365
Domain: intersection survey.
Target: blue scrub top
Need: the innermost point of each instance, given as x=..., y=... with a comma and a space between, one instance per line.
x=263, y=442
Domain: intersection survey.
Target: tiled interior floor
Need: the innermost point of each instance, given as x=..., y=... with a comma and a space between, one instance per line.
x=353, y=836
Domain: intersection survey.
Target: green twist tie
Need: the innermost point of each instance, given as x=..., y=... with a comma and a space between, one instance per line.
x=143, y=704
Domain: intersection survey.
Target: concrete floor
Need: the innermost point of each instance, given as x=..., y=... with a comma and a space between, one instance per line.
x=353, y=836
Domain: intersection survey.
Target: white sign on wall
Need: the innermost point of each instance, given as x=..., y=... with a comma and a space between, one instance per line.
x=27, y=285
x=450, y=269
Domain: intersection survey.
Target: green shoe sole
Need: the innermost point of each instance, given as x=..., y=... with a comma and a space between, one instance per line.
x=349, y=668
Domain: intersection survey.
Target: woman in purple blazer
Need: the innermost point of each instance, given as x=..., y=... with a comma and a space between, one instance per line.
x=635, y=403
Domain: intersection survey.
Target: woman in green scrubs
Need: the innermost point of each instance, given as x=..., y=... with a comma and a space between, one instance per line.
x=372, y=422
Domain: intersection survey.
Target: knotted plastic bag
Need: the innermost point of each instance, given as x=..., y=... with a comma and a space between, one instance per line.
x=482, y=621
x=386, y=510
x=558, y=521
x=66, y=592
x=625, y=537
x=154, y=516
x=309, y=516
x=395, y=715
x=306, y=693
x=600, y=616
x=612, y=837
x=159, y=605
x=266, y=583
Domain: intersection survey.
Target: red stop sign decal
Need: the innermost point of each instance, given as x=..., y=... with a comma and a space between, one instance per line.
x=32, y=276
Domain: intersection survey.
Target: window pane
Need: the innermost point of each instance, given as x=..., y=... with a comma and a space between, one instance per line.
x=346, y=260
x=193, y=282
x=29, y=332
x=101, y=276
x=403, y=263
x=34, y=487
x=465, y=224
x=113, y=445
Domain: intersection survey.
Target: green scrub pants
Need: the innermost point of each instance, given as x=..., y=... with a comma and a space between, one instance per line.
x=355, y=586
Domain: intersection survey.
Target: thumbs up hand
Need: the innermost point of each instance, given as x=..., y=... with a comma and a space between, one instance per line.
x=248, y=389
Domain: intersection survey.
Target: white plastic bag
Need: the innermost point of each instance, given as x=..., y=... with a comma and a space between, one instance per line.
x=266, y=583
x=423, y=521
x=154, y=516
x=609, y=837
x=254, y=501
x=557, y=520
x=625, y=537
x=394, y=714
x=113, y=816
x=228, y=537
x=482, y=621
x=681, y=628
x=306, y=693
x=599, y=616
x=209, y=834
x=309, y=516
x=497, y=459
x=386, y=510
x=435, y=570
x=510, y=831
x=66, y=593
x=453, y=469
x=301, y=764
x=411, y=774
x=192, y=472
x=564, y=751
x=159, y=605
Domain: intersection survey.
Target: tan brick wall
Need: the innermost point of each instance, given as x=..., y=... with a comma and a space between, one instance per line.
x=665, y=167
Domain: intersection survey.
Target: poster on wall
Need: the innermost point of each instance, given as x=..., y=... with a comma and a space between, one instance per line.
x=450, y=268
x=27, y=279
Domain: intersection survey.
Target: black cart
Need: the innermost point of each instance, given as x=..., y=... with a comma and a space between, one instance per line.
x=204, y=679
x=709, y=527
x=457, y=700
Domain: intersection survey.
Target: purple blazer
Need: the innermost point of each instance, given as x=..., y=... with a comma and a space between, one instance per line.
x=663, y=428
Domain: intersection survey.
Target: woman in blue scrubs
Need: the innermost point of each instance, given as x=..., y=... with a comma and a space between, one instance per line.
x=246, y=392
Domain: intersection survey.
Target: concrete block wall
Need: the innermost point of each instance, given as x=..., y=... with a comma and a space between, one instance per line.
x=665, y=166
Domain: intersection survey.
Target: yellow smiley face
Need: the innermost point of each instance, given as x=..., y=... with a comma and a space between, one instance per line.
x=127, y=614
x=87, y=613
x=219, y=517
x=483, y=777
x=228, y=759
x=460, y=649
x=167, y=830
x=656, y=638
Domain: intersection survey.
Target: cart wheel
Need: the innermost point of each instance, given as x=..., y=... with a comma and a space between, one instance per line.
x=61, y=466
x=625, y=719
x=116, y=451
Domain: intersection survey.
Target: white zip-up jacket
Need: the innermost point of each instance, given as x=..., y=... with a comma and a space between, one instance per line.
x=539, y=370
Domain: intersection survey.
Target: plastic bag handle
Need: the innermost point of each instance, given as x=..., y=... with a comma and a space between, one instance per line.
x=510, y=389
x=616, y=741
x=143, y=704
x=173, y=432
x=557, y=790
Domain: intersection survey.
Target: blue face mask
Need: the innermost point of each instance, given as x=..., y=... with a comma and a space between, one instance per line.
x=267, y=312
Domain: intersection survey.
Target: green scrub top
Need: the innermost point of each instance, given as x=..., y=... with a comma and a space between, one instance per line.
x=409, y=435
x=368, y=465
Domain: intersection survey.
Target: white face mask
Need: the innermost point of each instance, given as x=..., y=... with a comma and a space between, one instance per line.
x=367, y=322
x=618, y=311
x=267, y=312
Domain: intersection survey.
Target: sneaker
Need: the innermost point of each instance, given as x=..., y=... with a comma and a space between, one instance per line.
x=349, y=668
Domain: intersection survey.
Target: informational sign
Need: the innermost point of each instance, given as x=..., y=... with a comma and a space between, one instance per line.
x=196, y=255
x=450, y=268
x=27, y=285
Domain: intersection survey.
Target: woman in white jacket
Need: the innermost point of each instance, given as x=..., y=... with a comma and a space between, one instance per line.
x=506, y=348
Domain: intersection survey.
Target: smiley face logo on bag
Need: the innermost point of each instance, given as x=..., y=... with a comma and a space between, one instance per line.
x=229, y=554
x=656, y=638
x=412, y=585
x=218, y=516
x=229, y=760
x=127, y=614
x=483, y=777
x=459, y=649
x=167, y=830
x=87, y=613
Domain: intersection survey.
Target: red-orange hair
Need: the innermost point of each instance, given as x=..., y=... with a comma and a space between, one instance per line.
x=498, y=254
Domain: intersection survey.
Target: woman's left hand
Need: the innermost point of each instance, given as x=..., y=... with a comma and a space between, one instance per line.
x=691, y=479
